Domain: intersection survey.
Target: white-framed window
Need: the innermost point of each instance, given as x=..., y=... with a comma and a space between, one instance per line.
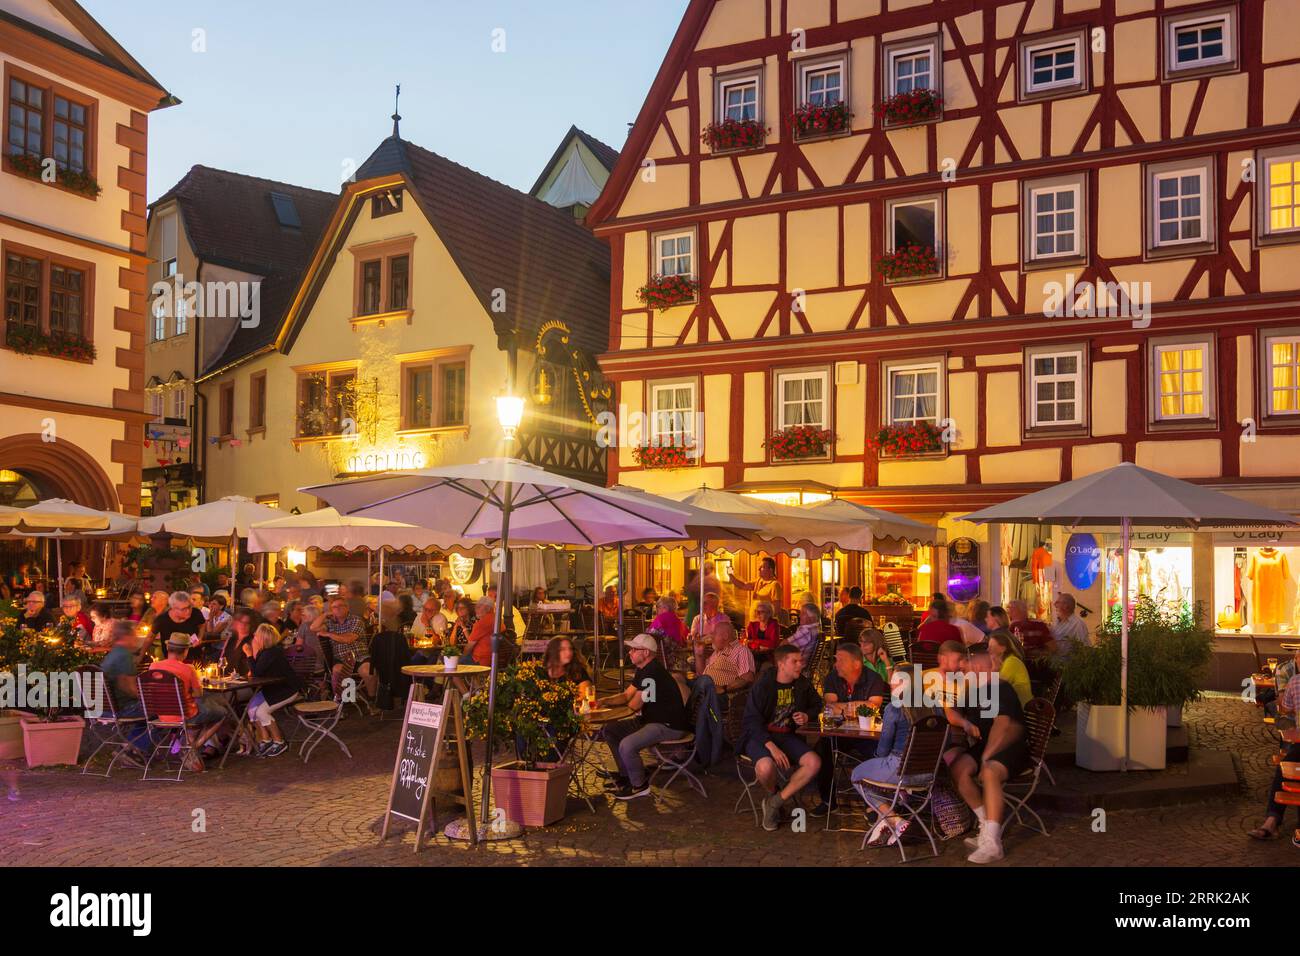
x=1056, y=386
x=1182, y=380
x=674, y=253
x=913, y=393
x=822, y=83
x=182, y=317
x=179, y=406
x=1180, y=207
x=802, y=398
x=672, y=413
x=1282, y=374
x=159, y=321
x=1201, y=40
x=1053, y=65
x=1055, y=214
x=1278, y=193
x=156, y=404
x=738, y=98
x=916, y=221
x=911, y=68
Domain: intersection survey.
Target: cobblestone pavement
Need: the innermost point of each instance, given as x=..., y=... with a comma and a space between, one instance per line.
x=327, y=813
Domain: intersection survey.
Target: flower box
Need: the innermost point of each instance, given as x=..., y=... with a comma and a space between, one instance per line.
x=664, y=292
x=52, y=743
x=898, y=441
x=28, y=341
x=733, y=135
x=914, y=106
x=800, y=442
x=810, y=121
x=664, y=457
x=531, y=798
x=908, y=262
x=83, y=184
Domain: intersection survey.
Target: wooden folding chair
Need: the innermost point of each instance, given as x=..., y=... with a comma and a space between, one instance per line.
x=677, y=753
x=894, y=642
x=165, y=701
x=913, y=794
x=109, y=730
x=1040, y=716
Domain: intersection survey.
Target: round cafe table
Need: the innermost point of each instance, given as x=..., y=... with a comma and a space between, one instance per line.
x=421, y=673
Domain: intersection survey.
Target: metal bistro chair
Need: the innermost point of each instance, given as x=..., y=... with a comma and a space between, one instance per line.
x=109, y=729
x=165, y=701
x=1040, y=715
x=677, y=753
x=912, y=800
x=1052, y=694
x=732, y=727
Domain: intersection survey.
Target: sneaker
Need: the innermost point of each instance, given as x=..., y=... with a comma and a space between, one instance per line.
x=604, y=774
x=617, y=783
x=990, y=852
x=630, y=792
x=772, y=812
x=973, y=842
x=262, y=748
x=822, y=809
x=276, y=748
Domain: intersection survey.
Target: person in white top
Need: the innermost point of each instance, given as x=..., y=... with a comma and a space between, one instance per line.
x=1068, y=629
x=969, y=623
x=430, y=622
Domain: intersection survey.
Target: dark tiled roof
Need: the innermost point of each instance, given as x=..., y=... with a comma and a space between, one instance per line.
x=230, y=221
x=548, y=264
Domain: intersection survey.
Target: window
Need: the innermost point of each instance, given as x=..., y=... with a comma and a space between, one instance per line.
x=46, y=295
x=44, y=119
x=434, y=392
x=1051, y=66
x=674, y=254
x=383, y=277
x=257, y=401
x=1200, y=42
x=182, y=316
x=911, y=64
x=823, y=82
x=326, y=401
x=1054, y=219
x=737, y=97
x=179, y=404
x=1281, y=373
x=672, y=414
x=285, y=211
x=916, y=221
x=156, y=404
x=802, y=398
x=1278, y=194
x=1182, y=379
x=226, y=411
x=913, y=393
x=386, y=203
x=1055, y=385
x=340, y=396
x=159, y=321
x=1180, y=218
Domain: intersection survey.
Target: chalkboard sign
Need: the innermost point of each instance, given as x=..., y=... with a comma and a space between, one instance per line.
x=420, y=747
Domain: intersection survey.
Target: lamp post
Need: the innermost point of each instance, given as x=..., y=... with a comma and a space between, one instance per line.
x=510, y=412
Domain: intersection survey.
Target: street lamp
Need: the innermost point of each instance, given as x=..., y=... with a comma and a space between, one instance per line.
x=510, y=412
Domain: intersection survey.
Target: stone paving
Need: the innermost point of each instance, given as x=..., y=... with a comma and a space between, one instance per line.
x=261, y=812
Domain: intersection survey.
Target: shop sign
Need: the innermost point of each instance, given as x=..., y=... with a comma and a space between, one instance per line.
x=1082, y=560
x=378, y=461
x=963, y=569
x=1246, y=537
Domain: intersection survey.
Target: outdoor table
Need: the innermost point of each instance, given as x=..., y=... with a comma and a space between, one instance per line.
x=585, y=761
x=847, y=731
x=228, y=689
x=1290, y=646
x=419, y=673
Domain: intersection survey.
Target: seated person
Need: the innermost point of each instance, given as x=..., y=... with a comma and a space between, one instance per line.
x=563, y=662
x=874, y=653
x=608, y=608
x=648, y=605
x=1069, y=631
x=539, y=623
x=852, y=611
x=76, y=620
x=971, y=624
x=1009, y=661
x=727, y=666
x=848, y=686
x=179, y=618
x=431, y=623
x=269, y=661
x=36, y=616
x=668, y=628
x=345, y=631
x=234, y=653
x=938, y=628
x=1036, y=639
x=808, y=634
x=996, y=748
x=781, y=701
x=763, y=633
x=996, y=619
x=886, y=766
x=1288, y=703
x=660, y=715
x=101, y=619
x=480, y=637
x=202, y=710
x=121, y=667
x=711, y=614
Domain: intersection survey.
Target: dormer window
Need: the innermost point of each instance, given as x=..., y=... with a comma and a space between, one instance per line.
x=386, y=203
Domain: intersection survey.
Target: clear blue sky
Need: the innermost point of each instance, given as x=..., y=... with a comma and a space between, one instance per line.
x=291, y=89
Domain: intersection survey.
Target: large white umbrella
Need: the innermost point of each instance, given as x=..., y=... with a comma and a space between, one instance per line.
x=781, y=527
x=891, y=533
x=327, y=528
x=1128, y=496
x=60, y=519
x=225, y=520
x=497, y=498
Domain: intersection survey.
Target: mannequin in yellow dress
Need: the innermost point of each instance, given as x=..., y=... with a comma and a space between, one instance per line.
x=1269, y=573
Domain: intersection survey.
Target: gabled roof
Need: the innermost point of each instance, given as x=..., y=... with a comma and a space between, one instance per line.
x=607, y=156
x=661, y=92
x=231, y=221
x=547, y=264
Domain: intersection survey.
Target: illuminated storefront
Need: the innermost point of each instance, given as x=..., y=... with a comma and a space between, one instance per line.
x=1255, y=589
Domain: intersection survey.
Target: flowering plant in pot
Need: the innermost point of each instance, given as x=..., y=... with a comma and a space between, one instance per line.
x=914, y=106
x=664, y=292
x=29, y=341
x=914, y=438
x=450, y=655
x=733, y=134
x=45, y=662
x=665, y=457
x=799, y=442
x=539, y=715
x=911, y=261
x=808, y=120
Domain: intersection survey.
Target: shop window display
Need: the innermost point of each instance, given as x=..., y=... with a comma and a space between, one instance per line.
x=1163, y=573
x=1255, y=588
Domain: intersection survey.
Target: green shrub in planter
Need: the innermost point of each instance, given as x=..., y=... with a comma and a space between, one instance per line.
x=1169, y=655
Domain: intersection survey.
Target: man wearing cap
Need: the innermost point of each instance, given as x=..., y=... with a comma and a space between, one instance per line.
x=655, y=699
x=202, y=710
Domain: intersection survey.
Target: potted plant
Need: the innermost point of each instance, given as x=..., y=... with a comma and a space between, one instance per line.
x=664, y=292
x=799, y=442
x=535, y=712
x=733, y=135
x=914, y=438
x=914, y=106
x=664, y=457
x=911, y=261
x=1168, y=661
x=809, y=121
x=51, y=734
x=450, y=656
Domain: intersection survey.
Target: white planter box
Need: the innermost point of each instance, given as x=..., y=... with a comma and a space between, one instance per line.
x=1175, y=715
x=1099, y=743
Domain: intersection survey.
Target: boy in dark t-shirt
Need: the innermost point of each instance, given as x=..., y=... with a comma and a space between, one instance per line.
x=656, y=699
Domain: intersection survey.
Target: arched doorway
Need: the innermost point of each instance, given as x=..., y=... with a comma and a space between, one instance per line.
x=32, y=470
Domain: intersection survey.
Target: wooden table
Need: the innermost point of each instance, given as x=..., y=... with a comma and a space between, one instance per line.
x=439, y=673
x=847, y=731
x=232, y=688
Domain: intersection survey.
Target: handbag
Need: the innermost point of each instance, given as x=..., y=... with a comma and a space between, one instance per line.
x=1228, y=619
x=951, y=815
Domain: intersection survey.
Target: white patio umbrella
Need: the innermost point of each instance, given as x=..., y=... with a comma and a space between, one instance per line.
x=66, y=520
x=1127, y=496
x=891, y=533
x=782, y=527
x=327, y=528
x=221, y=521
x=495, y=499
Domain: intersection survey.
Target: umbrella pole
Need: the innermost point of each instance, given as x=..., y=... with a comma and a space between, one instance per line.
x=700, y=613
x=234, y=563
x=620, y=615
x=1123, y=631
x=104, y=575
x=58, y=552
x=503, y=596
x=597, y=590
x=380, y=603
